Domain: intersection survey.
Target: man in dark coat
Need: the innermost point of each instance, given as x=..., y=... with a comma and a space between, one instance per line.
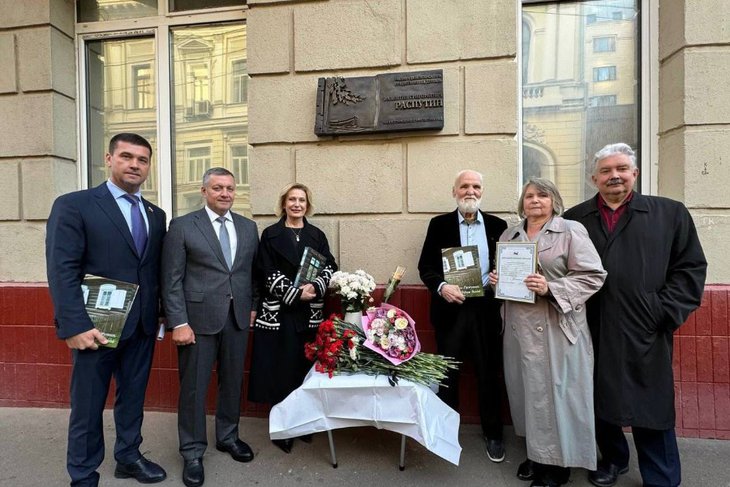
x=468, y=326
x=656, y=276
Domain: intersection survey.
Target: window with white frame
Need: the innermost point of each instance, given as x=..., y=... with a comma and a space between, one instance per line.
x=239, y=159
x=239, y=81
x=602, y=100
x=174, y=79
x=198, y=161
x=142, y=88
x=604, y=44
x=604, y=73
x=572, y=102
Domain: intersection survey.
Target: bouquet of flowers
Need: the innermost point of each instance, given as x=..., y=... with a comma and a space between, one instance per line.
x=354, y=289
x=391, y=333
x=338, y=349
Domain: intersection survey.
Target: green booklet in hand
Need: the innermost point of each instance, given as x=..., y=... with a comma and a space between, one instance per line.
x=461, y=267
x=310, y=266
x=108, y=302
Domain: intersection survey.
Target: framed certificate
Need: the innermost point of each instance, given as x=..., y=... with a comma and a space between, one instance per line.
x=515, y=260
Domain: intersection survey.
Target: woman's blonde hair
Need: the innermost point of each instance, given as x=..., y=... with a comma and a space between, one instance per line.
x=279, y=209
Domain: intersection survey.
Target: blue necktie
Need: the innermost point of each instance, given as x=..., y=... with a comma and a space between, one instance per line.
x=225, y=242
x=139, y=229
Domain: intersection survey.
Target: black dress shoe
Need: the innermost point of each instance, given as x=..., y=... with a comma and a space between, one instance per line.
x=495, y=450
x=607, y=474
x=547, y=483
x=550, y=475
x=193, y=473
x=306, y=438
x=526, y=470
x=144, y=471
x=284, y=445
x=238, y=450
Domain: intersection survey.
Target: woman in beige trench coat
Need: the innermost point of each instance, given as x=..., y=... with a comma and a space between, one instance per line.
x=548, y=353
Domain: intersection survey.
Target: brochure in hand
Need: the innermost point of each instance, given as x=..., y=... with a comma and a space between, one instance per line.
x=108, y=302
x=310, y=266
x=461, y=267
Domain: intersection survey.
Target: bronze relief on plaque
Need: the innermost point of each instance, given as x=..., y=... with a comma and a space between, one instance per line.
x=391, y=102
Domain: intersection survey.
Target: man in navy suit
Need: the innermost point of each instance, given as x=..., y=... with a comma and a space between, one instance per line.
x=109, y=231
x=468, y=326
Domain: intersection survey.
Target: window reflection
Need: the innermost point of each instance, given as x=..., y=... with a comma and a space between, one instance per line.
x=96, y=10
x=182, y=5
x=120, y=94
x=210, y=113
x=579, y=88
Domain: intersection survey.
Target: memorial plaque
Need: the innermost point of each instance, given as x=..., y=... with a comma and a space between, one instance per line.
x=392, y=102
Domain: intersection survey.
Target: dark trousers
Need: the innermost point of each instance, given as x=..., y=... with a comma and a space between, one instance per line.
x=656, y=449
x=91, y=375
x=475, y=334
x=227, y=351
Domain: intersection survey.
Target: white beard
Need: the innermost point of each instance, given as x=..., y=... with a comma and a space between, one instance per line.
x=469, y=206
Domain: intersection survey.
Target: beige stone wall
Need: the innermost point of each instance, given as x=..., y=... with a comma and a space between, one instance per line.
x=694, y=119
x=38, y=134
x=374, y=194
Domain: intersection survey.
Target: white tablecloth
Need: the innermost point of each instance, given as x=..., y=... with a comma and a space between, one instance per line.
x=344, y=401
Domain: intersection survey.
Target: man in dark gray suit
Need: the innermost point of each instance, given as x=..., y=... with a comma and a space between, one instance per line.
x=208, y=292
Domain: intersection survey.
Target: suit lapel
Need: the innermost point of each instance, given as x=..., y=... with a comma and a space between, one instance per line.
x=153, y=227
x=106, y=202
x=454, y=232
x=206, y=228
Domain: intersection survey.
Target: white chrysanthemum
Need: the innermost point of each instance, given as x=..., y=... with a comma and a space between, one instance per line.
x=353, y=350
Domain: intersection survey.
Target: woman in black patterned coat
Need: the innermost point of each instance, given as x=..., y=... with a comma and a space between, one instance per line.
x=288, y=315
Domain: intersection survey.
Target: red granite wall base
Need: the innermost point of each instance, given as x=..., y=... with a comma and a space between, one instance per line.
x=35, y=365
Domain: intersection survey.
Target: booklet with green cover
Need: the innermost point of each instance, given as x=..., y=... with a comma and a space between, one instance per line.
x=461, y=267
x=310, y=266
x=108, y=302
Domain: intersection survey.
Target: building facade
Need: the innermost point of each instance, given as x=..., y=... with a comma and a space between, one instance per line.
x=530, y=88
